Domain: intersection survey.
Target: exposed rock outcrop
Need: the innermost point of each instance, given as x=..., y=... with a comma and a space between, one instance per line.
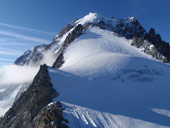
x=50, y=117
x=32, y=56
x=71, y=36
x=148, y=48
x=31, y=102
x=125, y=27
x=153, y=45
x=65, y=30
x=160, y=45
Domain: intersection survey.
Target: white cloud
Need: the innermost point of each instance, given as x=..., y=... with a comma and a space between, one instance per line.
x=8, y=43
x=24, y=37
x=14, y=40
x=4, y=59
x=10, y=53
x=48, y=58
x=14, y=80
x=4, y=63
x=26, y=29
x=13, y=74
x=6, y=51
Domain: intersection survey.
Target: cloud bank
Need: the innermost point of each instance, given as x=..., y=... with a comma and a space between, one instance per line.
x=14, y=74
x=14, y=80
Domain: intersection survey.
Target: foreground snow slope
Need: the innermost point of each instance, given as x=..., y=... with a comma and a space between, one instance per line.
x=137, y=93
x=82, y=117
x=116, y=84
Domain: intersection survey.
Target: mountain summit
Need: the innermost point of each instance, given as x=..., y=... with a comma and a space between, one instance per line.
x=102, y=73
x=129, y=28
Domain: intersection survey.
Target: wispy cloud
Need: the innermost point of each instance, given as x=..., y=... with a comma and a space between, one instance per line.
x=4, y=59
x=16, y=44
x=4, y=63
x=26, y=29
x=8, y=76
x=14, y=40
x=10, y=53
x=5, y=51
x=24, y=37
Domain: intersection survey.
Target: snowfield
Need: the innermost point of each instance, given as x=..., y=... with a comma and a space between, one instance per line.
x=98, y=50
x=137, y=95
x=107, y=83
x=81, y=117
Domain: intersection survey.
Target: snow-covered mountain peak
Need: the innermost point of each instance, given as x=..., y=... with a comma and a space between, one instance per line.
x=106, y=69
x=128, y=28
x=96, y=18
x=132, y=18
x=90, y=18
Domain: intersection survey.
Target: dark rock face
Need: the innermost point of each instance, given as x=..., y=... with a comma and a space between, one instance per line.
x=0, y=119
x=149, y=48
x=71, y=36
x=65, y=30
x=130, y=30
x=59, y=61
x=50, y=117
x=31, y=102
x=153, y=45
x=124, y=28
x=161, y=46
x=33, y=56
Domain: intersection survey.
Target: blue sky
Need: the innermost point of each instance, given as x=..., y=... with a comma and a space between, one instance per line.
x=26, y=23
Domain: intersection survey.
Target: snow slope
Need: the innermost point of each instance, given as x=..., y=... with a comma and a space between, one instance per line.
x=102, y=49
x=138, y=94
x=81, y=117
x=109, y=83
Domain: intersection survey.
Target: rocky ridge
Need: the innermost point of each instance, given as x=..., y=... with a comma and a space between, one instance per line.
x=32, y=106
